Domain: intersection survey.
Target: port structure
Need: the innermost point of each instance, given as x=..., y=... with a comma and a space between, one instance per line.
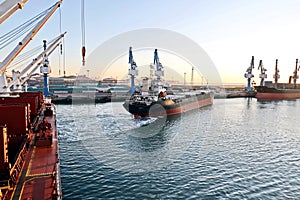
x=276, y=76
x=4, y=88
x=159, y=67
x=249, y=74
x=132, y=70
x=295, y=74
x=262, y=74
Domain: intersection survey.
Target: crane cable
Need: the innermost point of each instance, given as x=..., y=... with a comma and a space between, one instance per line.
x=62, y=49
x=83, y=50
x=22, y=29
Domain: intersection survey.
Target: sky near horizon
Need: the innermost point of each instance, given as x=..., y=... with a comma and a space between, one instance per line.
x=230, y=32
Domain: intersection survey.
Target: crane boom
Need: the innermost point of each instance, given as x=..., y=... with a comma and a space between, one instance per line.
x=9, y=7
x=21, y=45
x=47, y=52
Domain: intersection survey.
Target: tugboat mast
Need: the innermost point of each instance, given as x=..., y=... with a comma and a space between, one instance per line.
x=249, y=74
x=132, y=71
x=263, y=74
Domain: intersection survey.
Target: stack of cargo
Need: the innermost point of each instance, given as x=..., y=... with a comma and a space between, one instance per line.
x=18, y=116
x=4, y=168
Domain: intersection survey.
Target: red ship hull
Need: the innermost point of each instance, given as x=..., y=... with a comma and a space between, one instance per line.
x=268, y=93
x=30, y=167
x=142, y=106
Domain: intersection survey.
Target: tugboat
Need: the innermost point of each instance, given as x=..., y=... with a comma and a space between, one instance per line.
x=159, y=101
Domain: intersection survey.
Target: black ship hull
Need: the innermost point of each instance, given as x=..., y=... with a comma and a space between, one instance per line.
x=141, y=106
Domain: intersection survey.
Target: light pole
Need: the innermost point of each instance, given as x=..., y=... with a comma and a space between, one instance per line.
x=184, y=79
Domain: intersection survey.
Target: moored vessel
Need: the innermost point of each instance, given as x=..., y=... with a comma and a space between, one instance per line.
x=279, y=91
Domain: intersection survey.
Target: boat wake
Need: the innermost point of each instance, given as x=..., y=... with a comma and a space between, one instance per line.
x=145, y=121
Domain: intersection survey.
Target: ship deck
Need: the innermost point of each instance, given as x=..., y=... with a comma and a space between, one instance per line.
x=38, y=178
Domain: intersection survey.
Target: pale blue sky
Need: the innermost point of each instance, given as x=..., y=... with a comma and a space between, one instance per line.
x=230, y=31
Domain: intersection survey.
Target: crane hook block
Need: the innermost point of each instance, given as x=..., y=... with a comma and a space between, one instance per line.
x=83, y=55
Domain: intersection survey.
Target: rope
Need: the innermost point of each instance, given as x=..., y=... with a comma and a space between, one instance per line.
x=83, y=50
x=60, y=46
x=19, y=31
x=82, y=23
x=30, y=54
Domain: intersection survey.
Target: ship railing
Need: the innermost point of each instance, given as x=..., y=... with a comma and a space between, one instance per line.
x=16, y=169
x=58, y=181
x=4, y=185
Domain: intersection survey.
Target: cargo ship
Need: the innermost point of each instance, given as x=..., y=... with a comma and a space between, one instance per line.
x=279, y=91
x=158, y=101
x=165, y=104
x=29, y=156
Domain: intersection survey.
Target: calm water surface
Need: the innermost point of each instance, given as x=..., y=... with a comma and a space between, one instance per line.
x=237, y=149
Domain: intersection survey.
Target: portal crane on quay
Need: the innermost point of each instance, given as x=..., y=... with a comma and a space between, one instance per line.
x=159, y=68
x=249, y=74
x=262, y=74
x=132, y=71
x=295, y=74
x=276, y=76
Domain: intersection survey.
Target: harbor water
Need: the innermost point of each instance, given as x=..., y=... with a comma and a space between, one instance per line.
x=234, y=149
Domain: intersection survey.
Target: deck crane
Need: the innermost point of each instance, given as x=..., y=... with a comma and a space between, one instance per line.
x=21, y=45
x=262, y=74
x=8, y=7
x=132, y=71
x=31, y=73
x=295, y=73
x=159, y=68
x=42, y=59
x=249, y=74
x=276, y=76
